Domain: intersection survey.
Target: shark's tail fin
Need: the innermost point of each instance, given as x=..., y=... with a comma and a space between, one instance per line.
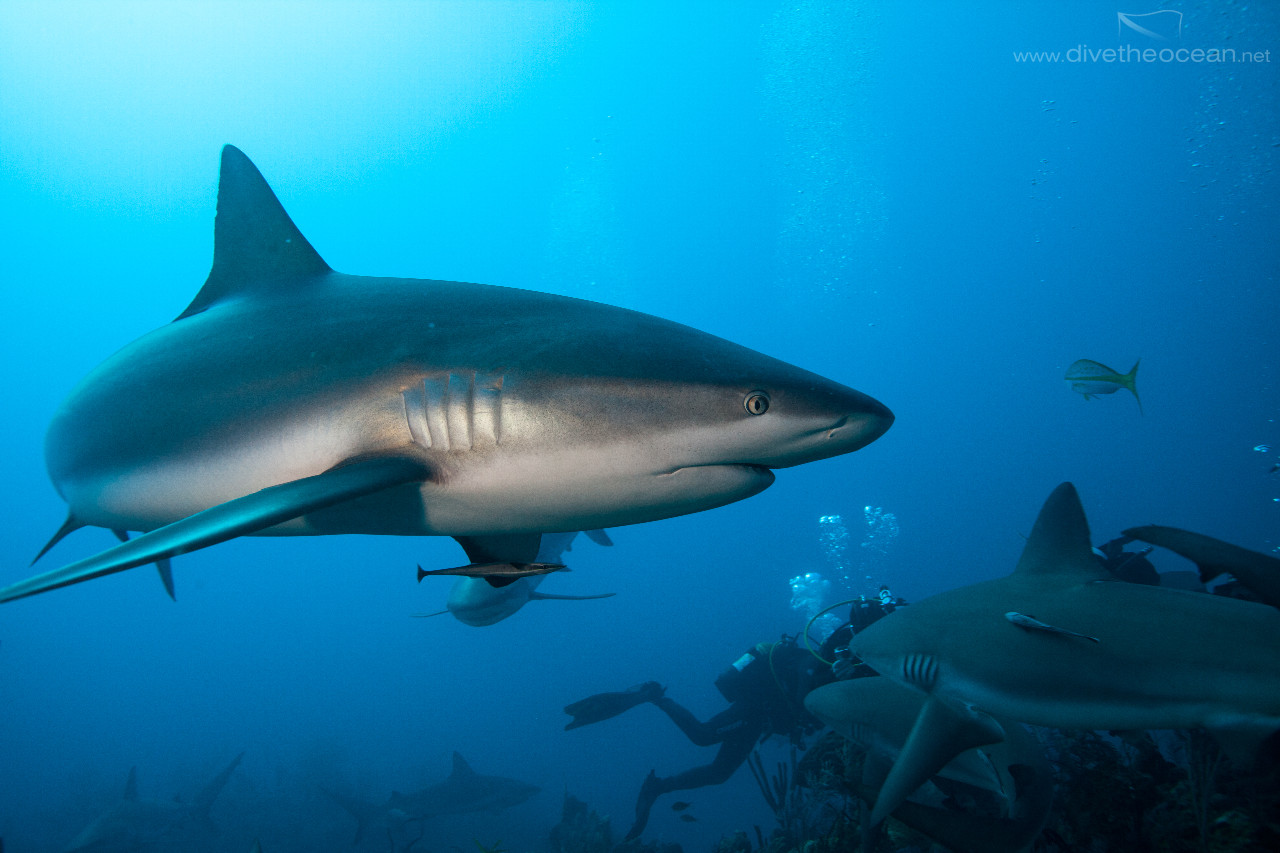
x=365, y=814
x=205, y=799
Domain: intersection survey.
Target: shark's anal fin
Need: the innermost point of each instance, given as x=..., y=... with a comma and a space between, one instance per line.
x=942, y=731
x=249, y=514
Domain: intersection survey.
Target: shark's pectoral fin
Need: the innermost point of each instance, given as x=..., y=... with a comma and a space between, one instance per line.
x=942, y=731
x=249, y=514
x=71, y=525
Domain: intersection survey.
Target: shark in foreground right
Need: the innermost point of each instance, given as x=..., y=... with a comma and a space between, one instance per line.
x=1060, y=643
x=289, y=399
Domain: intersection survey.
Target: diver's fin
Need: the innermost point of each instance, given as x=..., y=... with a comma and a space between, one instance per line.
x=1213, y=557
x=942, y=731
x=551, y=596
x=257, y=249
x=164, y=565
x=71, y=525
x=249, y=514
x=605, y=706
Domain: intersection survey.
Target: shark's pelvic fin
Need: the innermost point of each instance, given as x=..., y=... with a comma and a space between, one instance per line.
x=163, y=565
x=256, y=247
x=1213, y=557
x=942, y=731
x=501, y=548
x=600, y=537
x=239, y=517
x=1059, y=542
x=71, y=525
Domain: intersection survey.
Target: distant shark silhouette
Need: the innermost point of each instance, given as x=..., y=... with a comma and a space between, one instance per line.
x=464, y=791
x=472, y=601
x=1060, y=643
x=135, y=824
x=289, y=399
x=878, y=714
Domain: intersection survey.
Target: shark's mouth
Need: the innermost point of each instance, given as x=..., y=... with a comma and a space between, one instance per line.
x=749, y=468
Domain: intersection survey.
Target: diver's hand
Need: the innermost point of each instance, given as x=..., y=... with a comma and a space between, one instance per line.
x=844, y=665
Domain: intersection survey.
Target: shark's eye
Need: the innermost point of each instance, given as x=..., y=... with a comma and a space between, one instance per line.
x=757, y=402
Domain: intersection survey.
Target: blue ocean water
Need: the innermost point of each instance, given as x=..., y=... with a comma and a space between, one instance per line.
x=936, y=205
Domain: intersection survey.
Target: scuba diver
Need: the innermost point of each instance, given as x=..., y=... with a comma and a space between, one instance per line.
x=1130, y=566
x=863, y=612
x=765, y=689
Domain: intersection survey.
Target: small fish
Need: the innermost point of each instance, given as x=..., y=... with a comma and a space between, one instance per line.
x=680, y=805
x=1031, y=623
x=498, y=574
x=688, y=818
x=1090, y=378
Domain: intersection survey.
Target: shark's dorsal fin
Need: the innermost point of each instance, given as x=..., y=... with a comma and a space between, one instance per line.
x=256, y=246
x=461, y=769
x=1059, y=541
x=131, y=785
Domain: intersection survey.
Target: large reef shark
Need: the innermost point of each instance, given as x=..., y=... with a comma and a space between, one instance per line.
x=462, y=792
x=136, y=824
x=1060, y=643
x=290, y=399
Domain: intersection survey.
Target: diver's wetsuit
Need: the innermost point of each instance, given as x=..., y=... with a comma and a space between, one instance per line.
x=766, y=698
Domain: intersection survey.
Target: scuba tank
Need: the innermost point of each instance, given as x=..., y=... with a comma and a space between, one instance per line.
x=746, y=674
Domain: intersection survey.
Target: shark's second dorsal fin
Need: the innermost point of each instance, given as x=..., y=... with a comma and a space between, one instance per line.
x=131, y=785
x=461, y=769
x=1059, y=542
x=256, y=246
